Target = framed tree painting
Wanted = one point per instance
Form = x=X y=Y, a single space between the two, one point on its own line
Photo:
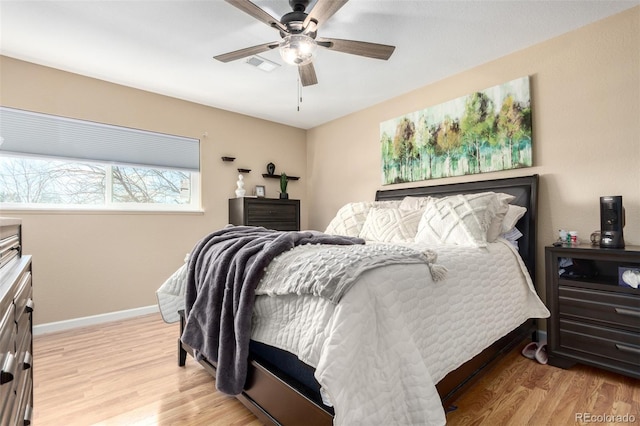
x=486 y=131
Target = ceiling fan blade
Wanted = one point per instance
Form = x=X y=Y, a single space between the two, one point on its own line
x=248 y=51
x=247 y=7
x=361 y=48
x=323 y=10
x=307 y=74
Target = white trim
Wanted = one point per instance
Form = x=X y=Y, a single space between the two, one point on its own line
x=93 y=320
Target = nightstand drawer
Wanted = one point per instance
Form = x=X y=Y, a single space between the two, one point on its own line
x=601 y=344
x=608 y=308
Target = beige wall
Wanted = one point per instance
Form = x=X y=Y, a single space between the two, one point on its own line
x=585 y=95
x=93 y=263
x=585 y=89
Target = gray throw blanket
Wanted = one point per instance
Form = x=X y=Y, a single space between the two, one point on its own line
x=224 y=269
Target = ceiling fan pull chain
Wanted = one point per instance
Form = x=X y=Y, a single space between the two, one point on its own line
x=299 y=94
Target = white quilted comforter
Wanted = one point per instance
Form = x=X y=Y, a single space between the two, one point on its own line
x=379 y=352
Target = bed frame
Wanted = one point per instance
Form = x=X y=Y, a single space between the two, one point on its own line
x=275 y=402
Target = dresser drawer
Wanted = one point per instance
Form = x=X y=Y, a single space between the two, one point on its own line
x=23 y=349
x=8 y=363
x=601 y=344
x=7 y=405
x=22 y=298
x=616 y=309
x=22 y=399
x=269 y=212
x=10 y=231
x=24 y=414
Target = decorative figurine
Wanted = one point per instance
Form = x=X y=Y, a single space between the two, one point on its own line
x=271 y=168
x=240 y=191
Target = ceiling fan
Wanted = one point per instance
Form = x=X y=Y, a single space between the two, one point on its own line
x=298 y=31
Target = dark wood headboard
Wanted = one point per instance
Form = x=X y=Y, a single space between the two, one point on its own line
x=524 y=188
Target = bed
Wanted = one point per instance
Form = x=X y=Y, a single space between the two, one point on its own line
x=362 y=359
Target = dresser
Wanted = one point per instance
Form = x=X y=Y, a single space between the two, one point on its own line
x=16 y=307
x=272 y=213
x=594 y=320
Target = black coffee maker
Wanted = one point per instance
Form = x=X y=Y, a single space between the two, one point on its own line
x=611 y=222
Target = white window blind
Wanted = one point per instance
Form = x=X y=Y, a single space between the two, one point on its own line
x=30 y=133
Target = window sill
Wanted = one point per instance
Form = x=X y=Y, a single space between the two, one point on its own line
x=96 y=210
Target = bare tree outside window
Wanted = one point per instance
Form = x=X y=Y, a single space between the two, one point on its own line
x=143 y=185
x=39 y=181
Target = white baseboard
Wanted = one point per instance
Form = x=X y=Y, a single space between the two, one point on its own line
x=92 y=320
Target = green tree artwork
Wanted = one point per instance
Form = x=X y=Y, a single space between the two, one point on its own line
x=485 y=131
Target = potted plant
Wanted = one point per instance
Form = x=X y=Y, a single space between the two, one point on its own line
x=284 y=180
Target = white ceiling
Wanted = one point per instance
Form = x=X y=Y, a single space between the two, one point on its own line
x=167 y=47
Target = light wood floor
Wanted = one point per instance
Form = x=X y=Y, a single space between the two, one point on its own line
x=126 y=373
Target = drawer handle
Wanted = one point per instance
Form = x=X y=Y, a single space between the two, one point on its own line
x=29 y=306
x=628 y=312
x=28 y=414
x=8 y=368
x=26 y=362
x=625 y=348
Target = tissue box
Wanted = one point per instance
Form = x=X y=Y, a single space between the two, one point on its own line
x=629 y=276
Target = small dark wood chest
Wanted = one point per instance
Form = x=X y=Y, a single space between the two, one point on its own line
x=271 y=213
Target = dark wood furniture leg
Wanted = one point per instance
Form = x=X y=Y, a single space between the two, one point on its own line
x=182 y=353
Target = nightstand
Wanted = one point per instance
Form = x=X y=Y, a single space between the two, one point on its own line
x=272 y=213
x=594 y=320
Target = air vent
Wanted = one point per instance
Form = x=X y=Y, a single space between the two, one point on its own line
x=262 y=63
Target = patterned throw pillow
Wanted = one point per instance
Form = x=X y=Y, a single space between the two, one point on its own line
x=458 y=219
x=350 y=218
x=391 y=225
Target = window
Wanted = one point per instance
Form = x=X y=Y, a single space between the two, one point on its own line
x=54 y=162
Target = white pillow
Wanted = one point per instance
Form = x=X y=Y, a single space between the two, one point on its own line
x=500 y=207
x=513 y=236
x=391 y=225
x=514 y=213
x=458 y=219
x=414 y=203
x=350 y=218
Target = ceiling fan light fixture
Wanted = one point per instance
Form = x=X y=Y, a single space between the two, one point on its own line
x=297 y=49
